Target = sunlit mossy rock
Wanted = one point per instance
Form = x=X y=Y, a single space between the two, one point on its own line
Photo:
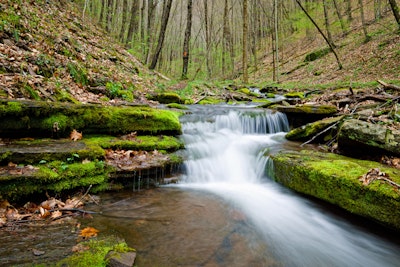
x=302 y=114
x=56 y=119
x=326 y=110
x=166 y=98
x=335 y=179
x=310 y=130
x=366 y=137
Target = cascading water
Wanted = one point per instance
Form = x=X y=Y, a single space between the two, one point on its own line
x=225 y=156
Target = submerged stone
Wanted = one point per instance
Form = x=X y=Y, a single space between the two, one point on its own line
x=336 y=179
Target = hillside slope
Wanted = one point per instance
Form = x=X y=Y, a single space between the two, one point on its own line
x=49 y=52
x=363 y=62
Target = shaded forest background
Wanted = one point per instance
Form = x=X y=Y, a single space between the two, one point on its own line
x=278 y=42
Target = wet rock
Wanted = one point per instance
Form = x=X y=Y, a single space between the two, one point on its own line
x=120 y=259
x=364 y=137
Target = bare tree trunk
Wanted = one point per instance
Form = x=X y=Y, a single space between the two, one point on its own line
x=245 y=36
x=348 y=11
x=395 y=9
x=109 y=15
x=340 y=16
x=275 y=44
x=207 y=37
x=186 y=42
x=103 y=8
x=161 y=37
x=327 y=23
x=364 y=24
x=133 y=25
x=377 y=9
x=323 y=35
x=124 y=20
x=151 y=7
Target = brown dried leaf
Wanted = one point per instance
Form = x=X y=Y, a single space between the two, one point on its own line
x=88 y=232
x=75 y=135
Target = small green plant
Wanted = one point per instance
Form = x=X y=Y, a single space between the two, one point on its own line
x=78 y=73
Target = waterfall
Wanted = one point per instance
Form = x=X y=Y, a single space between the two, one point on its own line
x=225 y=155
x=229 y=149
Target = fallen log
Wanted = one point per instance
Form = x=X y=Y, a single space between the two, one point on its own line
x=389 y=86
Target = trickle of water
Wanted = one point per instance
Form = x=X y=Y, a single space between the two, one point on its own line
x=225 y=155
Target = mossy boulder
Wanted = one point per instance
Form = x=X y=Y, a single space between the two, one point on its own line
x=166 y=98
x=299 y=115
x=335 y=179
x=48 y=119
x=365 y=137
x=310 y=130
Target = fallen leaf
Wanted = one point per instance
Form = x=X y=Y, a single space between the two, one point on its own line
x=88 y=232
x=79 y=248
x=56 y=214
x=75 y=135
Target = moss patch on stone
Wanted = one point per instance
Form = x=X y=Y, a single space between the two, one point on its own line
x=146 y=143
x=96 y=254
x=39 y=118
x=311 y=129
x=335 y=179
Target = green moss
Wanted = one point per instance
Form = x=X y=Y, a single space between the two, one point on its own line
x=335 y=179
x=41 y=117
x=294 y=95
x=146 y=143
x=317 y=54
x=311 y=129
x=10 y=108
x=176 y=106
x=210 y=101
x=95 y=256
x=166 y=98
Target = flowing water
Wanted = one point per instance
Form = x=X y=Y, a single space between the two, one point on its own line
x=226 y=212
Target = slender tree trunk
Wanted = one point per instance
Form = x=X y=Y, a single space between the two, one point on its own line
x=395 y=9
x=186 y=42
x=348 y=11
x=340 y=16
x=364 y=24
x=377 y=9
x=275 y=44
x=133 y=24
x=225 y=30
x=102 y=10
x=124 y=20
x=151 y=7
x=142 y=23
x=109 y=15
x=323 y=35
x=327 y=23
x=161 y=37
x=245 y=36
x=207 y=37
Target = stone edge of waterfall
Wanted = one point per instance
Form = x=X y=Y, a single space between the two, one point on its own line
x=336 y=179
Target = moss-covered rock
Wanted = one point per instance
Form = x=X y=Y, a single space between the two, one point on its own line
x=364 y=136
x=326 y=110
x=37 y=118
x=335 y=179
x=310 y=130
x=166 y=98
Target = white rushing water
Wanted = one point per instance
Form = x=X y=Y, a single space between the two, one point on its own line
x=226 y=156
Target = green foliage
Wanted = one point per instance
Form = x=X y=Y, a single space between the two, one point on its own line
x=46 y=65
x=95 y=256
x=78 y=73
x=117 y=90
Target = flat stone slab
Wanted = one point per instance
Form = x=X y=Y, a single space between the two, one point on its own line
x=338 y=180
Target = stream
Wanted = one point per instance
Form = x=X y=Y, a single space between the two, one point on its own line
x=226 y=212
